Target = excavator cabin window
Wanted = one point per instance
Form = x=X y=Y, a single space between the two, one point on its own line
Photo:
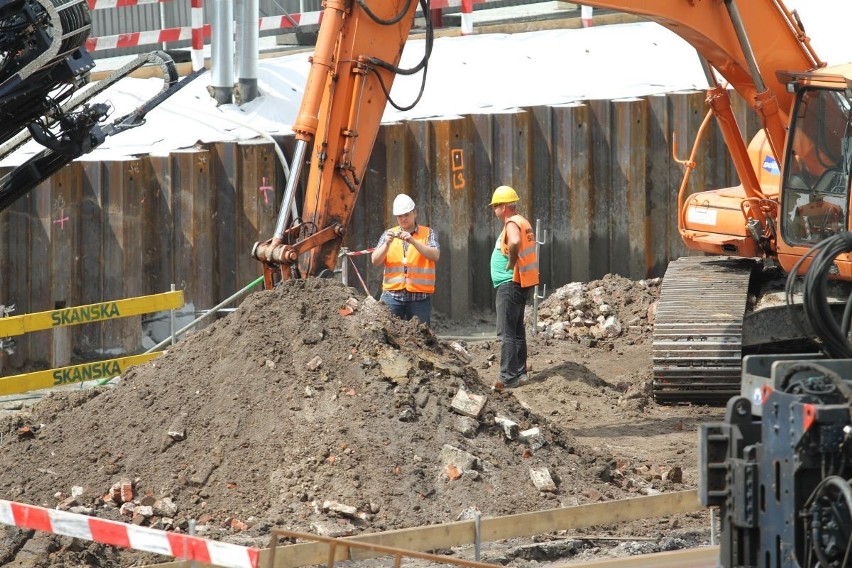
x=819 y=156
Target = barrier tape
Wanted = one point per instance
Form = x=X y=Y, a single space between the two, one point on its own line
x=360 y=252
x=197 y=31
x=114 y=533
x=103 y=4
x=134 y=39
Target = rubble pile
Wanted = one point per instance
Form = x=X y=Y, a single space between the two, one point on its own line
x=600 y=311
x=304 y=409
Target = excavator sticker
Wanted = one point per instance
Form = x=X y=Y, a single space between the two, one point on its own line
x=701 y=216
x=770 y=164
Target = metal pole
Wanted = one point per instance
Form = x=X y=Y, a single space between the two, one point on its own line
x=248 y=15
x=212 y=311
x=173 y=322
x=344 y=268
x=477 y=525
x=712 y=526
x=293 y=179
x=539 y=240
x=222 y=51
x=163 y=23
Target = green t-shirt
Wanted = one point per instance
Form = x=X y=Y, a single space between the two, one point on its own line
x=499 y=274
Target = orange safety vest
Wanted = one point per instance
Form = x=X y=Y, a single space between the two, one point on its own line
x=526 y=268
x=409 y=271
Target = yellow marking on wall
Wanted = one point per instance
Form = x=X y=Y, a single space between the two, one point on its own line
x=70 y=375
x=18 y=325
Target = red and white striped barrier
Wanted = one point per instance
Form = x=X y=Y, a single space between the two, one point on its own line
x=197 y=21
x=180 y=34
x=586 y=16
x=467 y=17
x=103 y=4
x=180 y=546
x=198 y=31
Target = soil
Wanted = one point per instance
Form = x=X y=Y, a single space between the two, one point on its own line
x=310 y=408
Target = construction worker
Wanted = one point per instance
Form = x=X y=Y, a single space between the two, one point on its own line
x=409 y=252
x=514 y=273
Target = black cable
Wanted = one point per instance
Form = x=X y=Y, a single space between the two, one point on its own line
x=815 y=296
x=423 y=64
x=393 y=20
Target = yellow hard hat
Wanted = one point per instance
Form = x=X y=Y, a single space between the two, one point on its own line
x=504 y=194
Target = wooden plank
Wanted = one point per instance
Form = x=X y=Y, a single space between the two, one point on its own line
x=462 y=533
x=259 y=199
x=223 y=182
x=194 y=258
x=662 y=187
x=66 y=189
x=71 y=374
x=449 y=216
x=542 y=182
x=90 y=339
x=39 y=272
x=122 y=250
x=572 y=228
x=159 y=215
x=629 y=241
x=485 y=226
x=460 y=202
x=600 y=193
x=102 y=311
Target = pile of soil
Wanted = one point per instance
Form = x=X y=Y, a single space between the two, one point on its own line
x=305 y=409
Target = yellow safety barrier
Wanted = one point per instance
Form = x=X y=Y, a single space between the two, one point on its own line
x=74 y=374
x=19 y=325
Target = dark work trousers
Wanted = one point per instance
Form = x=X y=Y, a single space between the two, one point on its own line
x=511 y=300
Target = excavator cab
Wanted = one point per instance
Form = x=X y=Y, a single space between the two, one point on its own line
x=815 y=196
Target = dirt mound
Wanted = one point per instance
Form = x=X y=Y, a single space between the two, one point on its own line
x=303 y=409
x=601 y=312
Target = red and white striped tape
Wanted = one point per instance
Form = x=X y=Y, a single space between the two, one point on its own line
x=103 y=4
x=198 y=31
x=180 y=546
x=360 y=252
x=185 y=33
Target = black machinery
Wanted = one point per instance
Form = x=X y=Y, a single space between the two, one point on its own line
x=780 y=465
x=44 y=66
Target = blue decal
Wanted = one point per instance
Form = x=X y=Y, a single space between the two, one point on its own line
x=771 y=166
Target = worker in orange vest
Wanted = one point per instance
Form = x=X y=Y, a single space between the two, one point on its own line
x=409 y=252
x=514 y=273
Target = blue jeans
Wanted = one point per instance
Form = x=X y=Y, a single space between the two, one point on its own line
x=511 y=301
x=422 y=309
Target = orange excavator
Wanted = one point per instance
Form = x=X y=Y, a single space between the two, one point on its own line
x=794 y=190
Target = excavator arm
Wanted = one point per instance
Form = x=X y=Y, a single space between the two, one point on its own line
x=360 y=43
x=358 y=49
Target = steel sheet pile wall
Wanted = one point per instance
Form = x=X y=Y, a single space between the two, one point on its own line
x=599 y=175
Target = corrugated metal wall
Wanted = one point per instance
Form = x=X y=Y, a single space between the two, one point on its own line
x=599 y=175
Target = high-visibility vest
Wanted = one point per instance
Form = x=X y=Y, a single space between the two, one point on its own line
x=411 y=270
x=526 y=268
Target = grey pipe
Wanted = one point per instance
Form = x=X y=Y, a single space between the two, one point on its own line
x=248 y=30
x=295 y=171
x=222 y=51
x=737 y=21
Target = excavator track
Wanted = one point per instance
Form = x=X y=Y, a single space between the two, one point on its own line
x=698 y=329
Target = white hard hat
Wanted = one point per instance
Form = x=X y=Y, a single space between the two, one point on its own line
x=402 y=204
